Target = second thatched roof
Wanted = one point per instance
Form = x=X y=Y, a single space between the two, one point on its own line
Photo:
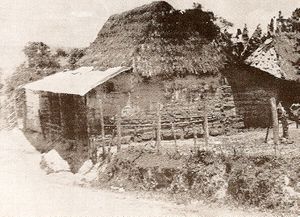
x=139 y=38
x=279 y=56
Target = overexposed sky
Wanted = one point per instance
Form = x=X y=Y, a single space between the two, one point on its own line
x=75 y=23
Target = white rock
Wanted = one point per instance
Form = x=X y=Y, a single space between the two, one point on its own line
x=92 y=175
x=86 y=167
x=52 y=162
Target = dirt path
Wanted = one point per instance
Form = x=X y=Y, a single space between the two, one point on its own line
x=26 y=191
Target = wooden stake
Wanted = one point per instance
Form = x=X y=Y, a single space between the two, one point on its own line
x=174 y=136
x=88 y=129
x=119 y=134
x=267 y=134
x=158 y=128
x=268 y=129
x=275 y=122
x=135 y=134
x=195 y=138
x=205 y=125
x=102 y=128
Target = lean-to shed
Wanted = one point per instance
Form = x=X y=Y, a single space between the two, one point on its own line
x=64 y=105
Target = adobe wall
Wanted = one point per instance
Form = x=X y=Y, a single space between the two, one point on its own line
x=63 y=116
x=181 y=100
x=252 y=90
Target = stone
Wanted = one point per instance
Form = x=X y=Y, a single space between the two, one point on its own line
x=52 y=162
x=92 y=175
x=86 y=167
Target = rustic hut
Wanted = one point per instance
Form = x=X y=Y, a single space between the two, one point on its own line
x=63 y=106
x=272 y=70
x=175 y=59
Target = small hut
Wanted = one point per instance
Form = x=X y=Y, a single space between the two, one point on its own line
x=272 y=70
x=175 y=58
x=64 y=106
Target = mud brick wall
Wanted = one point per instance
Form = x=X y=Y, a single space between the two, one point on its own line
x=251 y=91
x=253 y=104
x=181 y=101
x=63 y=116
x=186 y=116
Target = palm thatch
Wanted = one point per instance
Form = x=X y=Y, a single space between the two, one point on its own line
x=279 y=56
x=156 y=39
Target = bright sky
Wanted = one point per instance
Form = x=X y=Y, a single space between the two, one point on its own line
x=75 y=23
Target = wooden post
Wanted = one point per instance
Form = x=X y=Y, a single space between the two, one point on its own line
x=275 y=121
x=267 y=134
x=158 y=128
x=268 y=129
x=88 y=129
x=135 y=134
x=118 y=129
x=174 y=136
x=109 y=150
x=205 y=124
x=61 y=116
x=102 y=128
x=195 y=138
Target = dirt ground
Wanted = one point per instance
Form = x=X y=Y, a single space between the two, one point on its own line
x=27 y=191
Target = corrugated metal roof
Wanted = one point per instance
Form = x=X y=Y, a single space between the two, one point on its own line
x=77 y=82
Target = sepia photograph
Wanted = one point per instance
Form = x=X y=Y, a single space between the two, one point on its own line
x=142 y=108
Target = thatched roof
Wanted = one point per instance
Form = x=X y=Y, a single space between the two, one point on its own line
x=153 y=40
x=279 y=56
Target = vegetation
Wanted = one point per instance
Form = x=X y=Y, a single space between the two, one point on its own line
x=39 y=56
x=75 y=55
x=263 y=181
x=295 y=19
x=158 y=40
x=181 y=25
x=40 y=62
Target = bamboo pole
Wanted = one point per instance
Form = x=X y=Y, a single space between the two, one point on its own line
x=195 y=138
x=158 y=128
x=205 y=125
x=88 y=129
x=174 y=136
x=119 y=134
x=135 y=134
x=275 y=122
x=102 y=128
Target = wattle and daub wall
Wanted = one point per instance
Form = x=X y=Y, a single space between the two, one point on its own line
x=236 y=99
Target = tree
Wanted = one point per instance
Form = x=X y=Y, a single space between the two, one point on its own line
x=245 y=33
x=75 y=55
x=254 y=42
x=197 y=5
x=271 y=27
x=61 y=53
x=39 y=56
x=224 y=24
x=39 y=63
x=296 y=20
x=180 y=25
